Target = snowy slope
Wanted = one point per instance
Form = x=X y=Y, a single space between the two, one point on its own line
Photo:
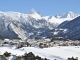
x=59 y=53
x=59 y=18
x=23 y=17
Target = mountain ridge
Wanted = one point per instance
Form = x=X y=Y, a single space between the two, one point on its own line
x=27 y=25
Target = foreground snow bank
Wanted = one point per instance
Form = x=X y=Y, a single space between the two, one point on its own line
x=59 y=53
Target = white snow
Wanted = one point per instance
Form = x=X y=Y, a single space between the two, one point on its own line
x=59 y=18
x=7 y=40
x=13 y=51
x=58 y=52
x=34 y=14
x=55 y=33
x=65 y=30
x=23 y=17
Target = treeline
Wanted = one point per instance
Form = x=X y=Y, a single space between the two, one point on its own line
x=2 y=37
x=73 y=58
x=31 y=56
x=26 y=56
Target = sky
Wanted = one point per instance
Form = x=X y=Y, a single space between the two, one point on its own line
x=44 y=7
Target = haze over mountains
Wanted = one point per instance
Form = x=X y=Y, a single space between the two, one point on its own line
x=33 y=24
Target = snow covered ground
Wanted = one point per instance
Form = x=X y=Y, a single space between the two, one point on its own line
x=59 y=52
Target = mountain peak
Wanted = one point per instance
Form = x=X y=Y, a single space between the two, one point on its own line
x=69 y=14
x=34 y=14
x=32 y=11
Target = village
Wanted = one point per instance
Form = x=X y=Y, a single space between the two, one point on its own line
x=40 y=43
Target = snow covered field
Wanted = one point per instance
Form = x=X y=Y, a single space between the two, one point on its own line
x=59 y=52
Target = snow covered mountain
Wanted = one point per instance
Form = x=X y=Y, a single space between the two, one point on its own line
x=15 y=24
x=30 y=24
x=34 y=14
x=56 y=20
x=68 y=15
x=59 y=18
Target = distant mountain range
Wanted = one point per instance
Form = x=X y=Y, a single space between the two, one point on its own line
x=33 y=24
